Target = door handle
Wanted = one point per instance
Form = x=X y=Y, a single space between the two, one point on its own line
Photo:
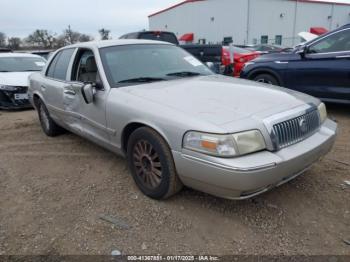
x=69 y=92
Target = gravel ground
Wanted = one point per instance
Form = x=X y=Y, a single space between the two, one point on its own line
x=53 y=192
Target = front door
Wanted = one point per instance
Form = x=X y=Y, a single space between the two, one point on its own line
x=93 y=115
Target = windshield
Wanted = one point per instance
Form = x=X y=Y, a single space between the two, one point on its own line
x=146 y=63
x=21 y=64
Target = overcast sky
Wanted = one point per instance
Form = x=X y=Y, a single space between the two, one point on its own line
x=21 y=17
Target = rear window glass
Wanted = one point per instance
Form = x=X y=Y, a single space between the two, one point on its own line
x=166 y=37
x=241 y=50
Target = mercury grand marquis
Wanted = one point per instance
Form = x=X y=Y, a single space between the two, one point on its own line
x=177 y=122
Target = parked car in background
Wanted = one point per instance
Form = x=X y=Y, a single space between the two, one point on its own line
x=14 y=71
x=177 y=122
x=212 y=54
x=5 y=50
x=169 y=37
x=266 y=49
x=43 y=53
x=320 y=68
x=241 y=56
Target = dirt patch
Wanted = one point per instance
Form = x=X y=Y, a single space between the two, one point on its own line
x=53 y=192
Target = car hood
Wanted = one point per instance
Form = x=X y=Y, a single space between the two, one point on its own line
x=288 y=56
x=15 y=78
x=220 y=100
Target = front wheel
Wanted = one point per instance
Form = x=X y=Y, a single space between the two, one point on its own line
x=152 y=165
x=49 y=126
x=267 y=79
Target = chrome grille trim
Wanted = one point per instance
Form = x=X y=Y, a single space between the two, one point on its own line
x=292 y=131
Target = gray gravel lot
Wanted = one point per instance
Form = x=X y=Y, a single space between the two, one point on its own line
x=53 y=192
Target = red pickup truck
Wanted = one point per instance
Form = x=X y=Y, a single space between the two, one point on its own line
x=240 y=55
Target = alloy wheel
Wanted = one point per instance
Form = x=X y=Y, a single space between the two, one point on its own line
x=263 y=80
x=147 y=164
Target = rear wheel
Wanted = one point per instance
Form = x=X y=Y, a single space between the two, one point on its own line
x=49 y=126
x=267 y=79
x=152 y=165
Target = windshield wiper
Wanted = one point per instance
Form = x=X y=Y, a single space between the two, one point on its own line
x=142 y=80
x=184 y=74
x=31 y=70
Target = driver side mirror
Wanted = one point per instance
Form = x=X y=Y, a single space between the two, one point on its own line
x=302 y=51
x=88 y=91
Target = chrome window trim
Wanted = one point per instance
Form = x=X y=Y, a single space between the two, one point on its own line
x=326 y=36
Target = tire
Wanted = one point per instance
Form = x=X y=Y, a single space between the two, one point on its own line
x=49 y=126
x=152 y=165
x=267 y=79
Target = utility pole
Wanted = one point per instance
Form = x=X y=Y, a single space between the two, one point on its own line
x=295 y=21
x=248 y=21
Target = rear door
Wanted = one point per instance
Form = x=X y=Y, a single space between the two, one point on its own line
x=324 y=71
x=55 y=83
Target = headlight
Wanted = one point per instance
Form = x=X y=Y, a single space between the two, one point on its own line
x=323 y=112
x=8 y=88
x=224 y=145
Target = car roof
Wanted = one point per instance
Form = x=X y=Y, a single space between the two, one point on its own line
x=108 y=43
x=18 y=55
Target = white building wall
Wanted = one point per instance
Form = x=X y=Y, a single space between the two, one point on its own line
x=341 y=15
x=197 y=17
x=271 y=18
x=247 y=20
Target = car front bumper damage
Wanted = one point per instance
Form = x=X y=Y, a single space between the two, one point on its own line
x=14 y=99
x=248 y=176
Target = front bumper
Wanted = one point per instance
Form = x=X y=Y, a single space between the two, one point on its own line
x=250 y=175
x=8 y=99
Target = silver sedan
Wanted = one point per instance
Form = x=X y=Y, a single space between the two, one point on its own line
x=176 y=122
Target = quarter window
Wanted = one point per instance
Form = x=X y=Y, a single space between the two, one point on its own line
x=337 y=42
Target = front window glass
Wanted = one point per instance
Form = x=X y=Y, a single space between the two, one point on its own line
x=149 y=62
x=337 y=42
x=21 y=64
x=86 y=68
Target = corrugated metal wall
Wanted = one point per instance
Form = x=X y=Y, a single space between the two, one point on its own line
x=246 y=21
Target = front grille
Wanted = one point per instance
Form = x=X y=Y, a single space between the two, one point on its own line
x=297 y=129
